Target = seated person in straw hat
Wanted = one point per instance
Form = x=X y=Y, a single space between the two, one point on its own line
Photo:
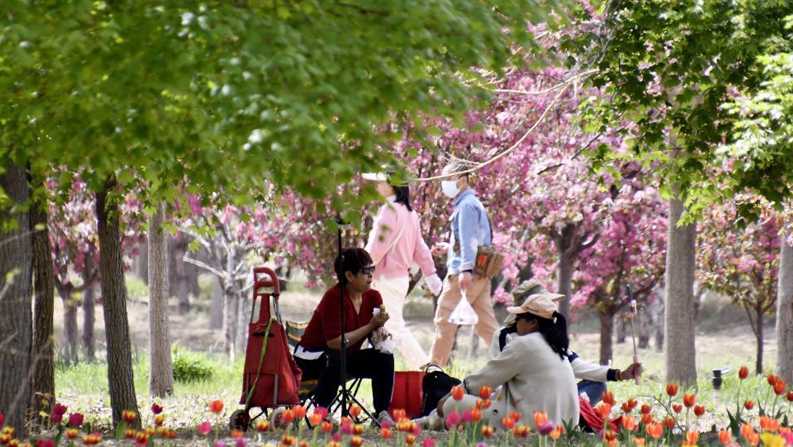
x=593 y=377
x=532 y=373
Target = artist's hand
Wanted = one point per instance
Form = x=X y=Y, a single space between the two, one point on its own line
x=631 y=372
x=466 y=278
x=440 y=248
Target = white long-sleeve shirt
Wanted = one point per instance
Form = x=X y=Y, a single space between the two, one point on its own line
x=582 y=370
x=529 y=376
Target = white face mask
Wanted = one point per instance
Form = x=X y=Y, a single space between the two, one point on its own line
x=449 y=188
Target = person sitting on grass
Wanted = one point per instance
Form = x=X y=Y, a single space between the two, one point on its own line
x=532 y=373
x=593 y=377
x=318 y=353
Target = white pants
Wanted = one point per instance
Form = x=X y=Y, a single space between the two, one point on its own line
x=394 y=291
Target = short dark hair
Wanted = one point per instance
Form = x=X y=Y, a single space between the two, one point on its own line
x=351 y=260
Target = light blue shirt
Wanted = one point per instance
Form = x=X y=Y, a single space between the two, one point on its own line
x=470 y=228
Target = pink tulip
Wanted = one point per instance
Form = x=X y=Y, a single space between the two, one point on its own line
x=204 y=428
x=452 y=419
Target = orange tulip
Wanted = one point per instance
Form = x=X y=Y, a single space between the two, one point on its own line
x=655 y=430
x=689 y=400
x=629 y=405
x=507 y=422
x=326 y=427
x=603 y=410
x=483 y=403
x=771 y=379
x=385 y=432
x=300 y=411
x=725 y=437
x=628 y=423
x=647 y=418
x=515 y=415
x=639 y=442
x=769 y=424
x=692 y=437
x=356 y=441
x=521 y=431
x=458 y=392
x=92 y=439
x=608 y=397
x=72 y=433
x=779 y=387
x=357 y=429
x=669 y=422
x=487 y=431
x=262 y=426
x=129 y=416
x=355 y=411
x=410 y=439
x=540 y=418
x=743 y=372
x=485 y=392
x=315 y=419
x=476 y=415
x=671 y=390
x=159 y=420
x=556 y=433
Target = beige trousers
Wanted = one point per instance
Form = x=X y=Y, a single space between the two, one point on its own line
x=478 y=294
x=394 y=291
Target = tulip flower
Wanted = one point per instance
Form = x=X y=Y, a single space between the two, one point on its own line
x=485 y=392
x=655 y=430
x=608 y=397
x=452 y=419
x=385 y=433
x=689 y=400
x=428 y=442
x=410 y=439
x=743 y=372
x=458 y=392
x=204 y=428
x=507 y=422
x=699 y=410
x=72 y=433
x=725 y=437
x=748 y=404
x=262 y=426
x=216 y=406
x=75 y=420
x=677 y=408
x=671 y=390
x=156 y=409
x=487 y=431
x=129 y=416
x=92 y=439
x=355 y=411
x=779 y=387
x=356 y=441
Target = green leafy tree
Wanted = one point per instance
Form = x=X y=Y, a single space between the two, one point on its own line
x=212 y=98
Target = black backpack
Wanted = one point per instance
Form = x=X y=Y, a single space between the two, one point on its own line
x=435 y=385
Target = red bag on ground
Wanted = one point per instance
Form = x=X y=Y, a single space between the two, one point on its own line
x=407 y=394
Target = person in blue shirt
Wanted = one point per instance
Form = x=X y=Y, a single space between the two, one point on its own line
x=469 y=229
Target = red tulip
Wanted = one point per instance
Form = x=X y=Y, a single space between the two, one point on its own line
x=507 y=422
x=458 y=392
x=216 y=406
x=677 y=408
x=75 y=420
x=671 y=390
x=156 y=409
x=485 y=392
x=699 y=410
x=608 y=397
x=748 y=404
x=355 y=411
x=779 y=387
x=689 y=400
x=743 y=372
x=300 y=412
x=789 y=398
x=646 y=409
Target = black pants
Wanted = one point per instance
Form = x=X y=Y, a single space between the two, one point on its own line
x=365 y=363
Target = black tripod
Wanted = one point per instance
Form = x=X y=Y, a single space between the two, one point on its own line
x=346 y=396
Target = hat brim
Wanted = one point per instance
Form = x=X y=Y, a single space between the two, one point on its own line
x=374 y=176
x=521 y=310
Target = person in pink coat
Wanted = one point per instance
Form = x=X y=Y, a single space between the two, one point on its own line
x=395 y=243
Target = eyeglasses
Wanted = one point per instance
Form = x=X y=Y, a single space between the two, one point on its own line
x=369 y=270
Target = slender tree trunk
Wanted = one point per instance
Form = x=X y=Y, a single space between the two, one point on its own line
x=243 y=317
x=784 y=314
x=70 y=325
x=606 y=336
x=566 y=267
x=619 y=326
x=142 y=263
x=16 y=318
x=645 y=326
x=114 y=298
x=758 y=367
x=161 y=369
x=178 y=278
x=230 y=323
x=680 y=354
x=89 y=318
x=44 y=303
x=216 y=306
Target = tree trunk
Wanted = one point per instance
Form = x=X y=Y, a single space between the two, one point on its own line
x=114 y=298
x=142 y=261
x=161 y=369
x=619 y=326
x=243 y=318
x=43 y=386
x=680 y=354
x=216 y=306
x=645 y=323
x=606 y=334
x=178 y=278
x=784 y=314
x=16 y=318
x=230 y=324
x=71 y=345
x=758 y=366
x=566 y=268
x=89 y=318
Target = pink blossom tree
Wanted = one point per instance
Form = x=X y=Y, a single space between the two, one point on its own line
x=75 y=252
x=741 y=260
